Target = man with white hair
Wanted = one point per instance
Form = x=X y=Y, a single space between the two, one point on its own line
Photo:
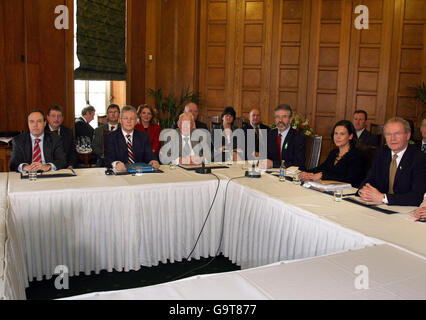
x=398 y=173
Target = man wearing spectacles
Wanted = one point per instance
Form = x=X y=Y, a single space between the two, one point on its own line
x=128 y=146
x=398 y=173
x=113 y=114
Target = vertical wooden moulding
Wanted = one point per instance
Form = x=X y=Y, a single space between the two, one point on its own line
x=69 y=68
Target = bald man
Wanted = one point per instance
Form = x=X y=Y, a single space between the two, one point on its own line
x=256 y=125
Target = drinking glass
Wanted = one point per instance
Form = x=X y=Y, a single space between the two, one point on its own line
x=338 y=195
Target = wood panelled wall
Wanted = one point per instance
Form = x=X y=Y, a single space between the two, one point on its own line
x=244 y=53
x=308 y=54
x=33 y=61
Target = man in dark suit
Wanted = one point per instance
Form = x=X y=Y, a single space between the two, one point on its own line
x=82 y=124
x=421 y=145
x=364 y=136
x=37 y=150
x=284 y=142
x=55 y=118
x=260 y=137
x=193 y=109
x=113 y=114
x=398 y=173
x=128 y=146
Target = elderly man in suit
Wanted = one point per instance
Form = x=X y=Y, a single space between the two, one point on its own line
x=82 y=124
x=398 y=173
x=127 y=145
x=256 y=126
x=37 y=150
x=364 y=136
x=284 y=142
x=113 y=114
x=422 y=143
x=55 y=118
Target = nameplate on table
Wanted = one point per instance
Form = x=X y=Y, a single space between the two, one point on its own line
x=63 y=173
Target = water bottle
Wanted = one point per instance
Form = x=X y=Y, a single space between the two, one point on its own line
x=282 y=171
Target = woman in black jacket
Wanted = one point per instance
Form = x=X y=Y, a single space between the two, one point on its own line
x=346 y=163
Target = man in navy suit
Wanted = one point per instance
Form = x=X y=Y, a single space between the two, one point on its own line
x=37 y=150
x=398 y=173
x=364 y=136
x=126 y=145
x=285 y=143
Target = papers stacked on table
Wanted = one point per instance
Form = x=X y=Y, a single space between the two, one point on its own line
x=327 y=185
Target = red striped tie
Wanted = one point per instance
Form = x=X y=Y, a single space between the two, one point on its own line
x=37 y=151
x=130 y=150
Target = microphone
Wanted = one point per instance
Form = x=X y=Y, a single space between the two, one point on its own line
x=253 y=173
x=203 y=169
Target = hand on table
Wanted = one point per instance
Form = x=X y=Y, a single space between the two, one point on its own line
x=308 y=176
x=155 y=164
x=370 y=194
x=420 y=213
x=36 y=166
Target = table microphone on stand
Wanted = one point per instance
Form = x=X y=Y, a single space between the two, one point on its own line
x=203 y=169
x=253 y=173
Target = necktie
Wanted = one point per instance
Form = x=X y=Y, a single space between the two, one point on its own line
x=130 y=150
x=186 y=148
x=112 y=128
x=392 y=172
x=37 y=151
x=257 y=131
x=279 y=146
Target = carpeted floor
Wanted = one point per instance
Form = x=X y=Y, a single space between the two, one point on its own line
x=146 y=276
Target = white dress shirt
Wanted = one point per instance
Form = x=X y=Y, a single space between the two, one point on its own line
x=43 y=161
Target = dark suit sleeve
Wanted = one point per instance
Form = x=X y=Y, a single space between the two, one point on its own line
x=18 y=154
x=110 y=155
x=373 y=172
x=300 y=152
x=59 y=158
x=148 y=154
x=97 y=144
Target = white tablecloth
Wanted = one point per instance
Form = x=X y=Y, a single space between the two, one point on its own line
x=95 y=222
x=392 y=274
x=120 y=226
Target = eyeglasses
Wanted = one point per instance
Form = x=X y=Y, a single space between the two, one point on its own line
x=126 y=118
x=112 y=112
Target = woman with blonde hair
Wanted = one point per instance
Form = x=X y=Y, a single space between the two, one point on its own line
x=148 y=123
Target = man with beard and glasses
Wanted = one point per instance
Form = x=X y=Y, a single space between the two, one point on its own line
x=284 y=142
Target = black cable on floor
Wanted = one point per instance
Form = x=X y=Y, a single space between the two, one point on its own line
x=221 y=236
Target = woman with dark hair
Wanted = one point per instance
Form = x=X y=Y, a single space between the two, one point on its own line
x=148 y=124
x=346 y=163
x=229 y=141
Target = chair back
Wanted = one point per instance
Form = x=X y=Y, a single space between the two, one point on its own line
x=208 y=120
x=239 y=122
x=377 y=130
x=313 y=151
x=369 y=153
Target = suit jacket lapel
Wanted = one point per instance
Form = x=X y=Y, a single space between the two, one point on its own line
x=28 y=149
x=123 y=146
x=403 y=164
x=47 y=148
x=286 y=142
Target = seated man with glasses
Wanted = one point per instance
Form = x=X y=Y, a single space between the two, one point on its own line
x=284 y=142
x=398 y=173
x=127 y=145
x=113 y=114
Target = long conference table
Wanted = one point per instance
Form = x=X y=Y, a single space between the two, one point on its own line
x=95 y=222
